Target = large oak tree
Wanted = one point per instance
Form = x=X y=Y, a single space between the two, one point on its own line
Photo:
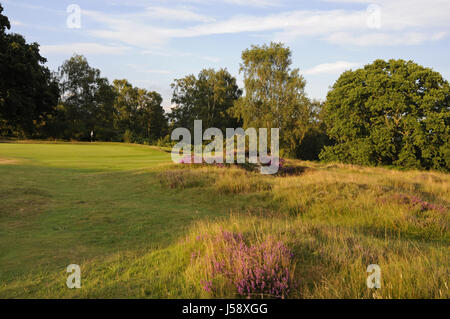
x=390 y=112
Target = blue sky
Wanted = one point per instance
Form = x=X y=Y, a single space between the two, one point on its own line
x=152 y=42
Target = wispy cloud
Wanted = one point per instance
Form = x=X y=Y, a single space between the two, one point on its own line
x=175 y=54
x=254 y=3
x=83 y=48
x=17 y=23
x=384 y=39
x=178 y=14
x=244 y=3
x=408 y=22
x=331 y=68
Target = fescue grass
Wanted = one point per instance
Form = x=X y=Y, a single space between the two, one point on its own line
x=140 y=226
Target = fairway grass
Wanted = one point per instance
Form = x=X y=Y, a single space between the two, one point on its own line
x=136 y=224
x=85 y=156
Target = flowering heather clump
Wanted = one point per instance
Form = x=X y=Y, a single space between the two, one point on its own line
x=283 y=170
x=207 y=286
x=269 y=160
x=423 y=205
x=414 y=202
x=263 y=269
x=191 y=159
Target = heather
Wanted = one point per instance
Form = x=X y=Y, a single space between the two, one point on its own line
x=262 y=269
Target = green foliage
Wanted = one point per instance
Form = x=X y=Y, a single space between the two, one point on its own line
x=152 y=122
x=128 y=136
x=312 y=144
x=126 y=105
x=86 y=101
x=139 y=116
x=207 y=97
x=390 y=113
x=316 y=137
x=28 y=92
x=4 y=22
x=274 y=94
x=165 y=141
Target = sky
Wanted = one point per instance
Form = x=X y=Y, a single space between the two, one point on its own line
x=152 y=42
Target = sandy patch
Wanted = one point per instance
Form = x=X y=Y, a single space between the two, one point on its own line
x=5 y=161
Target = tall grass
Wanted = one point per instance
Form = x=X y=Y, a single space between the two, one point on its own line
x=327 y=261
x=337 y=220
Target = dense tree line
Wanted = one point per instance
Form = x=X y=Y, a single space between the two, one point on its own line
x=208 y=96
x=72 y=102
x=388 y=113
x=114 y=112
x=28 y=92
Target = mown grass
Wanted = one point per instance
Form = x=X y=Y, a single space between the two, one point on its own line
x=136 y=224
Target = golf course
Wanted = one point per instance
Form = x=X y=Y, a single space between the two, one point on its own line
x=140 y=226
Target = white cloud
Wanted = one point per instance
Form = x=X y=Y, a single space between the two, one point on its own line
x=246 y=3
x=253 y=3
x=402 y=23
x=175 y=54
x=83 y=48
x=331 y=68
x=16 y=23
x=178 y=14
x=383 y=39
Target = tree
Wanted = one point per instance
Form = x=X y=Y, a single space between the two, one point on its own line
x=393 y=112
x=151 y=118
x=139 y=112
x=315 y=137
x=207 y=97
x=126 y=105
x=87 y=100
x=28 y=92
x=274 y=94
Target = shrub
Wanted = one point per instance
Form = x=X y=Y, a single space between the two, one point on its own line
x=263 y=269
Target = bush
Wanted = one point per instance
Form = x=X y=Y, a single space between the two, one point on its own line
x=263 y=269
x=165 y=141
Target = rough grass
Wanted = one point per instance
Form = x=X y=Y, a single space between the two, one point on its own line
x=140 y=228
